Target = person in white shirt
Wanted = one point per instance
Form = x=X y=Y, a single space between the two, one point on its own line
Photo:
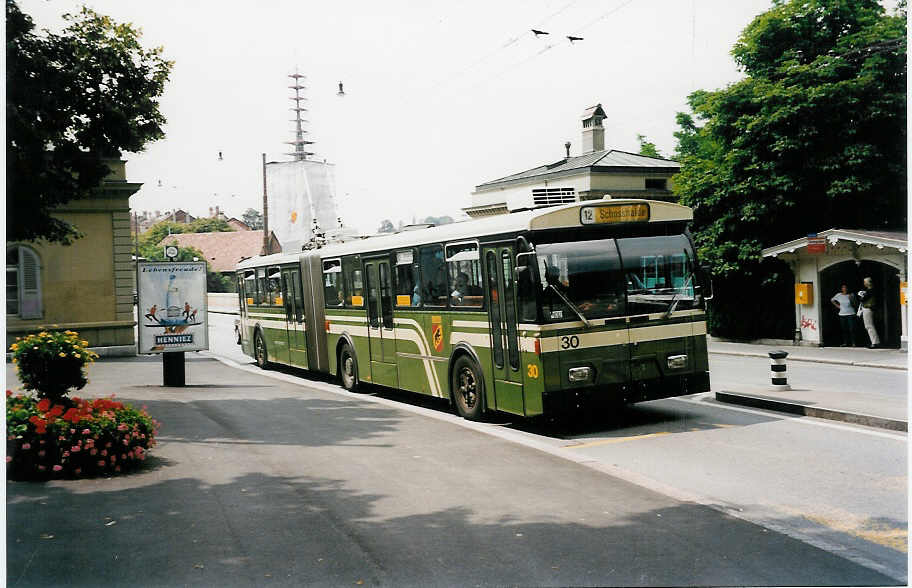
x=844 y=301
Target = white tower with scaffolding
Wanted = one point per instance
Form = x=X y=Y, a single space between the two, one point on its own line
x=301 y=192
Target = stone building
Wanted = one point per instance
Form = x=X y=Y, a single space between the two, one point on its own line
x=85 y=287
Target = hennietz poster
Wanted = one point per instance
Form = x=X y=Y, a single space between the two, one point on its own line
x=171 y=298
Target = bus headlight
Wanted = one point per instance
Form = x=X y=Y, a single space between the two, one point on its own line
x=579 y=374
x=676 y=362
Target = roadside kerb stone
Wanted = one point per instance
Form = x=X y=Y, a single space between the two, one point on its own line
x=887 y=366
x=812 y=411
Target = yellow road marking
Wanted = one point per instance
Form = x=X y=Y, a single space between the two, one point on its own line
x=868 y=529
x=616 y=440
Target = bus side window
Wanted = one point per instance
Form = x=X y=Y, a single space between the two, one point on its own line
x=249 y=287
x=332 y=283
x=261 y=290
x=465 y=275
x=274 y=287
x=357 y=289
x=433 y=276
x=408 y=289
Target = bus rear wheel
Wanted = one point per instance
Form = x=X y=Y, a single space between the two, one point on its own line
x=259 y=350
x=348 y=368
x=468 y=389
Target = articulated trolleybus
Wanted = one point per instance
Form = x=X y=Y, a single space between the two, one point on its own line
x=528 y=313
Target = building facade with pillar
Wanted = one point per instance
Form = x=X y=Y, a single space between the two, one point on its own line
x=821 y=263
x=86 y=286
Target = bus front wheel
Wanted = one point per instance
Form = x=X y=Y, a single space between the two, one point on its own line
x=468 y=389
x=259 y=350
x=348 y=368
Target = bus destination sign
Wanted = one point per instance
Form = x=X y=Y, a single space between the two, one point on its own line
x=614 y=213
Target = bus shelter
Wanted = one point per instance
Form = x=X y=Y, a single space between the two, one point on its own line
x=822 y=262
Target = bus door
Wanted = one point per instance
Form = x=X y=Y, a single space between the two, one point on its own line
x=294 y=316
x=380 y=331
x=505 y=359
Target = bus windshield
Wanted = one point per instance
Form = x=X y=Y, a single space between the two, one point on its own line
x=608 y=278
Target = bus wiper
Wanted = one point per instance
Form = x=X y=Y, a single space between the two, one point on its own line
x=674 y=299
x=572 y=306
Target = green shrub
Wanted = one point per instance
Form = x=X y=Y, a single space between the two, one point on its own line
x=52 y=363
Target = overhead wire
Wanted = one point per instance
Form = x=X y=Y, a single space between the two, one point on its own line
x=505 y=45
x=550 y=46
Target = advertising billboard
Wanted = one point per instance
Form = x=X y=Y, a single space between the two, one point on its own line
x=171 y=303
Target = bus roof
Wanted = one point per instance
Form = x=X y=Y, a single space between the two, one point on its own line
x=566 y=216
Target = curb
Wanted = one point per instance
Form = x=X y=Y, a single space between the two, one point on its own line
x=234 y=312
x=885 y=366
x=820 y=413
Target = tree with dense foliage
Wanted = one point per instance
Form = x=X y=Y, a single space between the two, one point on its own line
x=209 y=225
x=151 y=246
x=253 y=218
x=814 y=137
x=73 y=99
x=386 y=226
x=648 y=148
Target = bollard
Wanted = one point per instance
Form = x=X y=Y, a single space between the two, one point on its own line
x=777 y=370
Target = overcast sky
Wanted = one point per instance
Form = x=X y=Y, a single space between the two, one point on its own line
x=440 y=96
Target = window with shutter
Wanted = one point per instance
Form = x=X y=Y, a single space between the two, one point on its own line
x=23 y=282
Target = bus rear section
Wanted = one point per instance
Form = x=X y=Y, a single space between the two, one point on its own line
x=618 y=318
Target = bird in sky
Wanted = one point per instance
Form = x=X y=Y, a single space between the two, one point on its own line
x=572 y=38
x=537 y=33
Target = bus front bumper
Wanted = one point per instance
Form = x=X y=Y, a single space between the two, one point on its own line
x=629 y=393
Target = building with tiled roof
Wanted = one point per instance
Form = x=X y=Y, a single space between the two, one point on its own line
x=597 y=173
x=223 y=250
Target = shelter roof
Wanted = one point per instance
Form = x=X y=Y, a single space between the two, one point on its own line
x=879 y=238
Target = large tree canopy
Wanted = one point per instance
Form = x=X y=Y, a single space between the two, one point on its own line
x=813 y=138
x=73 y=99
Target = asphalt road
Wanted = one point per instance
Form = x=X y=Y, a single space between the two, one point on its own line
x=840 y=487
x=276 y=479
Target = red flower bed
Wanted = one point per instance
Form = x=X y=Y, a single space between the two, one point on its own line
x=74 y=437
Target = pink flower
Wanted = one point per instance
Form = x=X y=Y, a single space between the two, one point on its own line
x=66 y=454
x=104 y=451
x=86 y=432
x=41 y=468
x=26 y=446
x=58 y=467
x=8 y=459
x=75 y=448
x=101 y=463
x=113 y=458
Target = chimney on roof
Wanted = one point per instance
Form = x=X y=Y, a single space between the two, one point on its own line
x=593 y=132
x=567 y=147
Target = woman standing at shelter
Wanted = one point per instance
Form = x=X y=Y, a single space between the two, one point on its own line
x=845 y=301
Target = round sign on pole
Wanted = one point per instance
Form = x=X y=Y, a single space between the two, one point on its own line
x=171 y=251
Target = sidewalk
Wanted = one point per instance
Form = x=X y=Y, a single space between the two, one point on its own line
x=896 y=359
x=864 y=407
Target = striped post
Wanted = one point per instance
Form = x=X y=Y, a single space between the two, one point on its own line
x=777 y=370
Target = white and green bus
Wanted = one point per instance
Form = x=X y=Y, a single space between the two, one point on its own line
x=528 y=313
